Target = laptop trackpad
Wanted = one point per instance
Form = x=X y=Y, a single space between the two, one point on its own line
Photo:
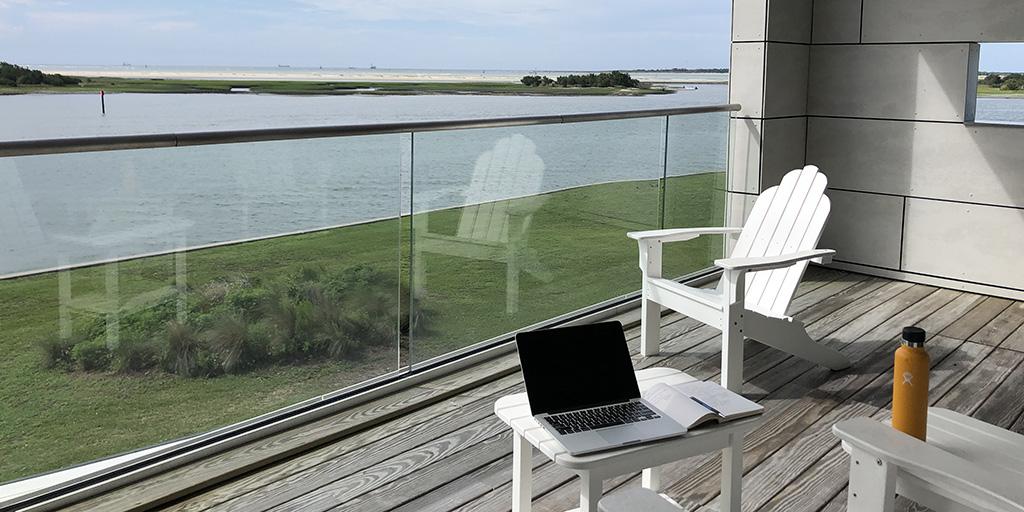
x=621 y=435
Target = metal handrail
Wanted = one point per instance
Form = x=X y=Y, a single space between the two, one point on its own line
x=167 y=140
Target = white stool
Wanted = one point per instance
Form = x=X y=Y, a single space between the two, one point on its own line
x=637 y=498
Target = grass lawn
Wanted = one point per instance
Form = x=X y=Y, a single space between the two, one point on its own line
x=51 y=419
x=988 y=90
x=155 y=85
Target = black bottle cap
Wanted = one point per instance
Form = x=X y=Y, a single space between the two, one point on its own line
x=913 y=336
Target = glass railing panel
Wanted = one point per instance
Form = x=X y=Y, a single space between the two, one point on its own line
x=514 y=226
x=695 y=188
x=118 y=356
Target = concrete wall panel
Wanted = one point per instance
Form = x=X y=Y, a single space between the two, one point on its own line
x=749 y=20
x=746 y=78
x=789 y=20
x=943 y=20
x=744 y=155
x=915 y=82
x=782 y=148
x=785 y=84
x=864 y=228
x=975 y=163
x=963 y=241
x=836 y=21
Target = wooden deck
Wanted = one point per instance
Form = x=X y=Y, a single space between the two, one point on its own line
x=438 y=446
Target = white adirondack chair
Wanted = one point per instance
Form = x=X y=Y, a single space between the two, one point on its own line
x=758 y=280
x=966 y=464
x=495 y=225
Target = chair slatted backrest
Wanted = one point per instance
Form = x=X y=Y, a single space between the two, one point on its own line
x=510 y=169
x=785 y=219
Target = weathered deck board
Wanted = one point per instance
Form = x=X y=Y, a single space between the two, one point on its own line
x=965 y=327
x=437 y=447
x=1000 y=327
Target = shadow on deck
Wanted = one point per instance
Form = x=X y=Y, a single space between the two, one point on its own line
x=438 y=446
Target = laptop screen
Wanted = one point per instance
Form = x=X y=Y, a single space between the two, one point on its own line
x=576 y=367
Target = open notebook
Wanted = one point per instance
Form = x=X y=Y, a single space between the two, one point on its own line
x=697 y=402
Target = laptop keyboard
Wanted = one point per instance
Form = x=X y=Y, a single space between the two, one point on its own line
x=601 y=417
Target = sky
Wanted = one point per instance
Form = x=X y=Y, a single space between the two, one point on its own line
x=429 y=34
x=425 y=34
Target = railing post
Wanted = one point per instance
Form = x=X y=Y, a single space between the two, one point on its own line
x=416 y=272
x=663 y=185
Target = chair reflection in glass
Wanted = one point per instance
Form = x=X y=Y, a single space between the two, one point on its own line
x=495 y=222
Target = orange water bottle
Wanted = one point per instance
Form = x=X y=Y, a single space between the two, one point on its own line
x=910 y=384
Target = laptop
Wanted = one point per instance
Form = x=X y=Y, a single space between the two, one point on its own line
x=582 y=389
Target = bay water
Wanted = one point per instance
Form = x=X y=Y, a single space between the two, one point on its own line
x=76 y=208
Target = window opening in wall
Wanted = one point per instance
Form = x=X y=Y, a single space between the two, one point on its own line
x=1001 y=84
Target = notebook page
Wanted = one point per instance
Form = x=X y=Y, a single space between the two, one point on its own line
x=677 y=406
x=730 y=405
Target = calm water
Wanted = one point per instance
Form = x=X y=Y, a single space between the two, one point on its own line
x=62 y=209
x=1000 y=110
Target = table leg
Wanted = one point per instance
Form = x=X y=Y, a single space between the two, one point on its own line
x=590 y=491
x=651 y=479
x=732 y=474
x=522 y=474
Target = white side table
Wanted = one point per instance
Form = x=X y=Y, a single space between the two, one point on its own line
x=592 y=469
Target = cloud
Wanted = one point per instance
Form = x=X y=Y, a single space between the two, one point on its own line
x=472 y=12
x=120 y=20
x=5 y=4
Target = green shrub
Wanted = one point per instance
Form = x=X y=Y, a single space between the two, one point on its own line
x=183 y=349
x=55 y=353
x=248 y=301
x=1013 y=84
x=370 y=328
x=237 y=324
x=137 y=354
x=149 y=321
x=92 y=356
x=238 y=344
x=293 y=324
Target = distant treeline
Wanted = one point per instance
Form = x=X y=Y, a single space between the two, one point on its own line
x=609 y=79
x=1004 y=81
x=682 y=70
x=13 y=76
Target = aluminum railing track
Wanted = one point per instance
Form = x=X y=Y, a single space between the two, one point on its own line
x=168 y=140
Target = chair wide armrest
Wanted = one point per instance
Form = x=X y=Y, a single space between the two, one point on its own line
x=679 y=234
x=932 y=464
x=772 y=262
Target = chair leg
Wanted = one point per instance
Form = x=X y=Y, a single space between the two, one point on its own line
x=733 y=327
x=872 y=483
x=732 y=357
x=650 y=327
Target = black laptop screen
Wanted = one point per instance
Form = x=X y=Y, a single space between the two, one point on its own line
x=576 y=367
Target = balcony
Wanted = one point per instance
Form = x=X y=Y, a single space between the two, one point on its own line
x=333 y=321
x=437 y=445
